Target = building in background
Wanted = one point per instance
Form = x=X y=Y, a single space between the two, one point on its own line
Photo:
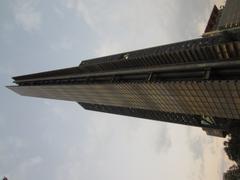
x=225 y=18
x=195 y=82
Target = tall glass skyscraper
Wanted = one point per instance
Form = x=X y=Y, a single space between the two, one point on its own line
x=195 y=82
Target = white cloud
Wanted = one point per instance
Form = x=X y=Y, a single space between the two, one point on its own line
x=116 y=147
x=7 y=70
x=127 y=25
x=26 y=15
x=7 y=27
x=63 y=44
x=2 y=121
x=219 y=2
x=208 y=155
x=32 y=162
x=59 y=12
x=15 y=142
x=201 y=27
x=22 y=170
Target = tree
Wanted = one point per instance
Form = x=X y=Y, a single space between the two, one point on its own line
x=232 y=147
x=233 y=173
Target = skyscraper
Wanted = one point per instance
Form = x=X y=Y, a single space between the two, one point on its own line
x=194 y=82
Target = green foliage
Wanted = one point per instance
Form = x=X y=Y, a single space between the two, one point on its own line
x=233 y=173
x=232 y=149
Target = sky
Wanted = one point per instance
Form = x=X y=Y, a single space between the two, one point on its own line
x=58 y=140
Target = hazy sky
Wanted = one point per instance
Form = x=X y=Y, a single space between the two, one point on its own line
x=57 y=140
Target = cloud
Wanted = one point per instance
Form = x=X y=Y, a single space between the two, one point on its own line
x=219 y=2
x=63 y=44
x=113 y=147
x=128 y=25
x=23 y=170
x=208 y=155
x=7 y=70
x=125 y=25
x=26 y=15
x=30 y=163
x=201 y=26
x=196 y=146
x=59 y=12
x=2 y=121
x=164 y=141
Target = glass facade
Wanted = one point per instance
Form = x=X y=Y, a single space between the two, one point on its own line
x=210 y=98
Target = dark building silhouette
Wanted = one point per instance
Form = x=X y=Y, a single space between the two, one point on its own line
x=224 y=18
x=195 y=82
